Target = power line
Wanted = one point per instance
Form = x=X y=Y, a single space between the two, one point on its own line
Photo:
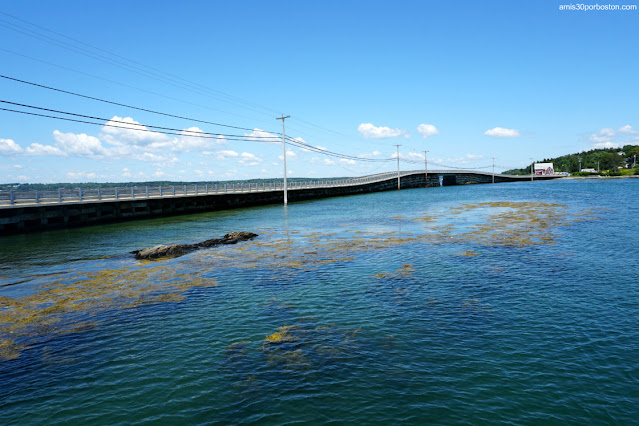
x=143 y=68
x=171 y=131
x=271 y=138
x=309 y=147
x=125 y=127
x=205 y=135
x=133 y=61
x=122 y=104
x=122 y=84
x=102 y=58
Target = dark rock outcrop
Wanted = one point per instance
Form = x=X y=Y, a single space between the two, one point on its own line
x=175 y=250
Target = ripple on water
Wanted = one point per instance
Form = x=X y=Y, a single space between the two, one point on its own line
x=469 y=305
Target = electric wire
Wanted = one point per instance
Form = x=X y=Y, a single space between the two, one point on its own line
x=168 y=131
x=156 y=72
x=273 y=138
x=125 y=105
x=136 y=62
x=125 y=85
x=132 y=61
x=205 y=135
x=113 y=62
x=122 y=127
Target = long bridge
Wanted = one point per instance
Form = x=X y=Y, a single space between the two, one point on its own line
x=30 y=211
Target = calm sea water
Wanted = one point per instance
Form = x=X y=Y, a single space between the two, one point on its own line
x=509 y=303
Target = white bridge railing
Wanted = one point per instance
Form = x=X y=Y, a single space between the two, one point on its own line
x=24 y=198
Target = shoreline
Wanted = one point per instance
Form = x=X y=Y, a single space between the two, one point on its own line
x=602 y=177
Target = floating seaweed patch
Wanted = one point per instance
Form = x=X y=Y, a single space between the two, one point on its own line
x=499 y=223
x=9 y=350
x=61 y=306
x=424 y=218
x=290 y=359
x=237 y=350
x=469 y=253
x=282 y=335
x=383 y=275
x=405 y=270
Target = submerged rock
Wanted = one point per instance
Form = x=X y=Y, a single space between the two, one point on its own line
x=174 y=250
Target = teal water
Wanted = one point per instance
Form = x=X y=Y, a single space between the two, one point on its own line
x=511 y=303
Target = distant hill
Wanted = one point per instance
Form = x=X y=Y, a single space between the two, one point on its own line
x=598 y=159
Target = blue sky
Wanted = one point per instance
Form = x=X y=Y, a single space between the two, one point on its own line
x=465 y=80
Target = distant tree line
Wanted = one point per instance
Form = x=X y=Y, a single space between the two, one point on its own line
x=91 y=185
x=608 y=159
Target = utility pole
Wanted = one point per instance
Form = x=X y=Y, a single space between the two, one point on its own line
x=597 y=165
x=493 y=169
x=398 y=178
x=532 y=169
x=579 y=165
x=426 y=166
x=284 y=150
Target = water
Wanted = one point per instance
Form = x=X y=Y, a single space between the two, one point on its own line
x=509 y=303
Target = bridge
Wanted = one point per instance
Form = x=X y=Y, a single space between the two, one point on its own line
x=30 y=211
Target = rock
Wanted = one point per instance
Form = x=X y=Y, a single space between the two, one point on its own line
x=175 y=250
x=240 y=236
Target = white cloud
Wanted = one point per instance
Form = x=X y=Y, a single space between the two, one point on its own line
x=132 y=132
x=604 y=135
x=189 y=141
x=81 y=175
x=370 y=131
x=289 y=155
x=147 y=156
x=474 y=156
x=603 y=145
x=611 y=138
x=369 y=155
x=325 y=161
x=259 y=135
x=126 y=172
x=225 y=154
x=44 y=150
x=159 y=173
x=9 y=147
x=427 y=130
x=347 y=161
x=249 y=159
x=500 y=132
x=81 y=144
x=461 y=160
x=409 y=155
